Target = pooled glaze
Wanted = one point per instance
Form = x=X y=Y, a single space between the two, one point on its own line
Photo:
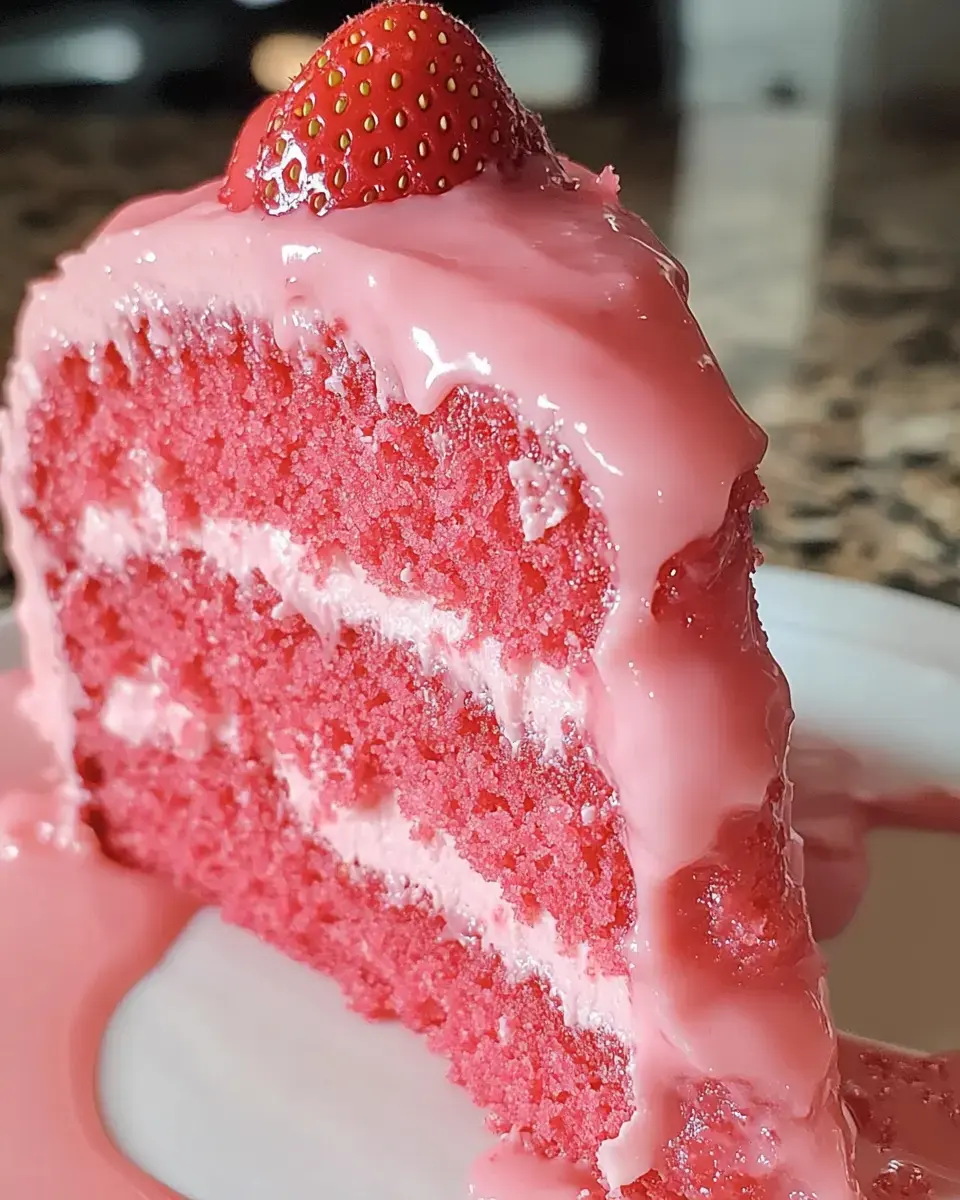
x=508 y=1172
x=81 y=932
x=572 y=306
x=906 y=1107
x=907 y=1110
x=76 y=933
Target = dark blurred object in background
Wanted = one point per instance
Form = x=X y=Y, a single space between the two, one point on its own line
x=196 y=55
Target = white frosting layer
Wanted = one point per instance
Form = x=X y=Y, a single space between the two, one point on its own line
x=530 y=697
x=383 y=841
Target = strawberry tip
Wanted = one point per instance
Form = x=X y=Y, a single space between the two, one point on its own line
x=401 y=100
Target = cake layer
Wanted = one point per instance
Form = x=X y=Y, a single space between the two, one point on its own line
x=380 y=839
x=565 y=1088
x=537 y=702
x=177 y=796
x=191 y=659
x=529 y=698
x=225 y=423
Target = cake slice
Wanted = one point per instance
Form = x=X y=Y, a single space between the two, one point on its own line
x=383 y=533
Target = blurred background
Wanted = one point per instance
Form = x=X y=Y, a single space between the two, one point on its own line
x=801 y=156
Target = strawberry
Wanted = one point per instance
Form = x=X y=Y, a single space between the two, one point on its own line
x=401 y=100
x=237 y=190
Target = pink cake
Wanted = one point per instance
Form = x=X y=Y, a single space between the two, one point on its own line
x=382 y=525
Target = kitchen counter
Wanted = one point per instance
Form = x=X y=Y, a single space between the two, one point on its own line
x=826 y=271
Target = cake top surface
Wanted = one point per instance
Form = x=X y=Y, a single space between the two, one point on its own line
x=398 y=191
x=557 y=296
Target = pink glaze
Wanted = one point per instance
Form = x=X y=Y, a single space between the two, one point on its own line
x=54 y=692
x=572 y=306
x=25 y=762
x=907 y=1112
x=508 y=1172
x=76 y=932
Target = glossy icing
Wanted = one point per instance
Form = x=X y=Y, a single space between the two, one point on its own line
x=54 y=692
x=76 y=932
x=908 y=1148
x=508 y=1172
x=838 y=800
x=906 y=1106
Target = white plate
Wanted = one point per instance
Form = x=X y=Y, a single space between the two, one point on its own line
x=233 y=1074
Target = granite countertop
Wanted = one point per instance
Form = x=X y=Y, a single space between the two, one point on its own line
x=826 y=271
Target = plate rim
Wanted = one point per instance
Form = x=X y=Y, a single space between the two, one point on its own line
x=917 y=627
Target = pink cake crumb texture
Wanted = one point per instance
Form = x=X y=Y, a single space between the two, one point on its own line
x=219 y=826
x=238 y=428
x=565 y=1089
x=383 y=727
x=235 y=428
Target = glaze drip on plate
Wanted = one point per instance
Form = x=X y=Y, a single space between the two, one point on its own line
x=76 y=933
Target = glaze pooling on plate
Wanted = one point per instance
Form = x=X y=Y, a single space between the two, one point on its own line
x=76 y=933
x=509 y=1173
x=838 y=802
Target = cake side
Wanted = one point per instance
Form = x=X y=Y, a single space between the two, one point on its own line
x=128 y=533
x=616 y=574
